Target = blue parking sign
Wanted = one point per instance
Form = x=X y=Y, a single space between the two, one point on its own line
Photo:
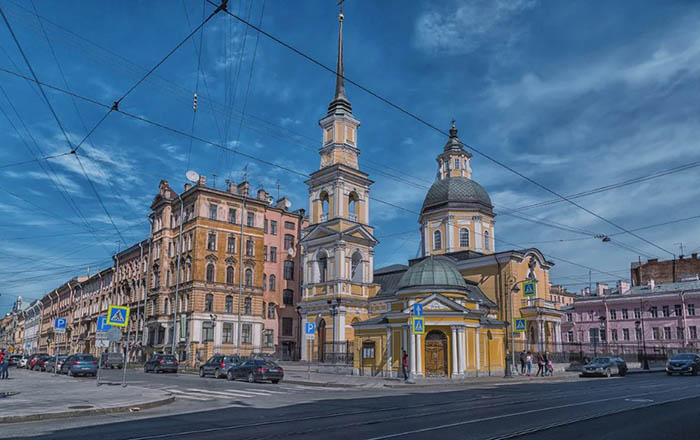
x=310 y=328
x=60 y=323
x=102 y=325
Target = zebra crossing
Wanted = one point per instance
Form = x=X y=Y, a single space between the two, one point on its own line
x=199 y=394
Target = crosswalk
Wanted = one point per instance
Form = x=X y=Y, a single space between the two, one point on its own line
x=199 y=394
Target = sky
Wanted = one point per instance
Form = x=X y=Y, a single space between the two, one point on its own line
x=573 y=95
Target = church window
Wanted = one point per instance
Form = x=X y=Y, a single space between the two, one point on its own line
x=487 y=240
x=210 y=272
x=464 y=165
x=456 y=163
x=248 y=277
x=356 y=268
x=437 y=240
x=323 y=268
x=323 y=197
x=464 y=237
x=328 y=135
x=353 y=198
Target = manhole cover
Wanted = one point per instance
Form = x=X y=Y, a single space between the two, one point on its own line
x=7 y=394
x=80 y=407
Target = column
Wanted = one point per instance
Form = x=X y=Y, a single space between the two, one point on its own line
x=412 y=354
x=558 y=333
x=455 y=353
x=388 y=352
x=404 y=340
x=448 y=234
x=540 y=335
x=341 y=326
x=426 y=239
x=478 y=239
x=461 y=332
x=478 y=352
x=419 y=355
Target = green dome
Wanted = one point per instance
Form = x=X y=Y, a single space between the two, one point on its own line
x=457 y=193
x=433 y=272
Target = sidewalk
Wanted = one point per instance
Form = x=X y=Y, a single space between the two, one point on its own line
x=31 y=395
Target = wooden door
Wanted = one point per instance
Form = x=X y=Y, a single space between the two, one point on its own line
x=436 y=354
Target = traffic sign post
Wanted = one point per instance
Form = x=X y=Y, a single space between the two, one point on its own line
x=59 y=325
x=118 y=315
x=520 y=325
x=418 y=326
x=102 y=325
x=530 y=288
x=418 y=309
x=310 y=331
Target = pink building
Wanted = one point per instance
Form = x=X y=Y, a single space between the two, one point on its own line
x=660 y=317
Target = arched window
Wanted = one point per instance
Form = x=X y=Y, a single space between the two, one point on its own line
x=323 y=197
x=273 y=281
x=229 y=274
x=264 y=281
x=271 y=311
x=288 y=270
x=209 y=303
x=353 y=200
x=464 y=237
x=249 y=247
x=487 y=240
x=248 y=277
x=167 y=306
x=437 y=240
x=248 y=306
x=210 y=272
x=288 y=241
x=229 y=304
x=356 y=267
x=323 y=267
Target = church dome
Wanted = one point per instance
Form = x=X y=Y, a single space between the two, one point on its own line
x=433 y=272
x=459 y=193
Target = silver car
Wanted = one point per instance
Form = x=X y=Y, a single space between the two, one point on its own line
x=605 y=366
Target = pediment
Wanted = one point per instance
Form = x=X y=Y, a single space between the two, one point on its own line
x=319 y=231
x=439 y=303
x=360 y=232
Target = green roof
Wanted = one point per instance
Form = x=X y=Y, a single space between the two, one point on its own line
x=433 y=272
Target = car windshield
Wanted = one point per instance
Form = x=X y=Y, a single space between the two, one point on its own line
x=683 y=357
x=600 y=361
x=168 y=358
x=83 y=358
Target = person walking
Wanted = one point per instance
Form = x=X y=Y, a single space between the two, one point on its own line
x=528 y=362
x=540 y=365
x=545 y=363
x=523 y=361
x=404 y=365
x=3 y=366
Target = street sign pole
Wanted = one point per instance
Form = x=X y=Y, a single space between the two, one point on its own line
x=126 y=359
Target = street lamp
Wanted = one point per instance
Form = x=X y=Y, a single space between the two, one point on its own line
x=299 y=335
x=333 y=309
x=514 y=289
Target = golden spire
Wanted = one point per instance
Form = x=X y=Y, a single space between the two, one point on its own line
x=339 y=99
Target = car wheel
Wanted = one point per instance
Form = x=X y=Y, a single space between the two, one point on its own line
x=157 y=370
x=201 y=372
x=145 y=369
x=608 y=373
x=251 y=378
x=230 y=376
x=622 y=373
x=276 y=381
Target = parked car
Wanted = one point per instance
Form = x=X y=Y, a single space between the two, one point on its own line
x=218 y=365
x=55 y=366
x=23 y=361
x=79 y=364
x=13 y=360
x=45 y=362
x=255 y=370
x=35 y=362
x=605 y=366
x=161 y=363
x=683 y=363
x=112 y=360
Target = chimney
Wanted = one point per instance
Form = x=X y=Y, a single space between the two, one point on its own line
x=202 y=181
x=188 y=186
x=600 y=289
x=231 y=187
x=651 y=284
x=262 y=195
x=680 y=257
x=283 y=203
x=623 y=287
x=244 y=188
x=652 y=260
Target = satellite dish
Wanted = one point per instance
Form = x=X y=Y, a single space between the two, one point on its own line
x=192 y=176
x=287 y=204
x=290 y=252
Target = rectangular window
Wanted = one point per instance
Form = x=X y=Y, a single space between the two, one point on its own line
x=638 y=334
x=655 y=333
x=637 y=314
x=289 y=225
x=268 y=338
x=691 y=309
x=613 y=334
x=212 y=211
x=666 y=311
x=613 y=314
x=654 y=312
x=228 y=333
x=231 y=245
x=207 y=331
x=249 y=246
x=693 y=332
x=570 y=336
x=569 y=317
x=287 y=327
x=247 y=334
x=232 y=215
x=273 y=227
x=264 y=253
x=265 y=226
x=288 y=297
x=211 y=241
x=456 y=163
x=251 y=219
x=667 y=332
x=273 y=254
x=593 y=334
x=680 y=334
x=625 y=314
x=288 y=241
x=678 y=309
x=626 y=334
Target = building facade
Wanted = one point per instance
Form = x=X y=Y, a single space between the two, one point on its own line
x=669 y=271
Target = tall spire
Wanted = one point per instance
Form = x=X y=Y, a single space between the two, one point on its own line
x=340 y=101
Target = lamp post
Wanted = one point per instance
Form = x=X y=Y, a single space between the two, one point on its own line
x=333 y=310
x=514 y=289
x=603 y=333
x=216 y=344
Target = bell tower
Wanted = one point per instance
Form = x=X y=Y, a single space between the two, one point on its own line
x=338 y=245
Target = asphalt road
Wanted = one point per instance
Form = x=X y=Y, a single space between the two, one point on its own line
x=651 y=406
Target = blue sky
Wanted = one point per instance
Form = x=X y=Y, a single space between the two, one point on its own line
x=573 y=95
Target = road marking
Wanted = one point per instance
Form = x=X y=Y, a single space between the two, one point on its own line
x=184 y=395
x=640 y=400
x=221 y=393
x=246 y=393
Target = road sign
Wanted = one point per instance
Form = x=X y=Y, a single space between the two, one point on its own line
x=114 y=334
x=118 y=315
x=520 y=325
x=102 y=325
x=529 y=288
x=59 y=325
x=418 y=326
x=101 y=343
x=418 y=309
x=310 y=330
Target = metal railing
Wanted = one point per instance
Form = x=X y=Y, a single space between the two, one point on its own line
x=339 y=352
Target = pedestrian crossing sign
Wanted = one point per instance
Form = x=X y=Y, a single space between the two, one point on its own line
x=118 y=315
x=529 y=288
x=520 y=325
x=418 y=326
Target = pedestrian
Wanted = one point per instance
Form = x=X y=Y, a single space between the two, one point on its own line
x=523 y=361
x=404 y=365
x=3 y=366
x=540 y=365
x=545 y=364
x=528 y=361
x=550 y=367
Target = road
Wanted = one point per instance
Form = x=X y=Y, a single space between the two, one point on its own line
x=635 y=407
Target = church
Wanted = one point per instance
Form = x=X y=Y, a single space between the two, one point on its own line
x=468 y=293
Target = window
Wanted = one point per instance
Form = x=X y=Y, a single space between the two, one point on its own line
x=667 y=332
x=569 y=317
x=289 y=225
x=678 y=309
x=251 y=219
x=680 y=334
x=231 y=245
x=209 y=303
x=232 y=215
x=288 y=297
x=613 y=314
x=210 y=272
x=273 y=254
x=265 y=226
x=229 y=304
x=212 y=211
x=247 y=334
x=626 y=334
x=464 y=164
x=638 y=334
x=464 y=237
x=693 y=332
x=249 y=246
x=570 y=336
x=248 y=306
x=625 y=314
x=264 y=281
x=437 y=240
x=666 y=311
x=268 y=338
x=368 y=350
x=287 y=327
x=273 y=280
x=691 y=309
x=654 y=312
x=356 y=267
x=207 y=331
x=264 y=253
x=613 y=334
x=248 y=277
x=211 y=241
x=271 y=311
x=323 y=268
x=288 y=270
x=487 y=240
x=637 y=314
x=229 y=275
x=655 y=333
x=273 y=227
x=593 y=334
x=456 y=163
x=288 y=241
x=264 y=310
x=228 y=333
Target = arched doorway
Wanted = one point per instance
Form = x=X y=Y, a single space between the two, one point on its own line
x=436 y=353
x=321 y=340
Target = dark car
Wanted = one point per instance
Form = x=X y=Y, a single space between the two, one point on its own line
x=683 y=363
x=54 y=366
x=35 y=362
x=161 y=363
x=255 y=370
x=605 y=366
x=218 y=365
x=46 y=362
x=79 y=365
x=112 y=360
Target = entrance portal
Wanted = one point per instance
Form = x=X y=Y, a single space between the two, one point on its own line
x=436 y=353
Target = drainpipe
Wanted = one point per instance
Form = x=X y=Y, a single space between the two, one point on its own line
x=177 y=277
x=138 y=298
x=147 y=286
x=240 y=280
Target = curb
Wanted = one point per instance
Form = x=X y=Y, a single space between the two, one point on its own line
x=474 y=384
x=320 y=384
x=86 y=412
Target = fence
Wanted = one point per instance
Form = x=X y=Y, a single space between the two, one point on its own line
x=339 y=352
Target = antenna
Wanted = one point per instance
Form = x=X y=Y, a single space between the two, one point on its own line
x=245 y=173
x=213 y=175
x=278 y=189
x=681 y=246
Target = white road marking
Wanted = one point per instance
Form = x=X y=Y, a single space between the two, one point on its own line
x=184 y=395
x=243 y=392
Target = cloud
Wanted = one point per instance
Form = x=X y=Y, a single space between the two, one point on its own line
x=286 y=121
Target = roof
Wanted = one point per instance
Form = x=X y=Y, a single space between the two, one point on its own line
x=433 y=272
x=659 y=289
x=388 y=278
x=457 y=192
